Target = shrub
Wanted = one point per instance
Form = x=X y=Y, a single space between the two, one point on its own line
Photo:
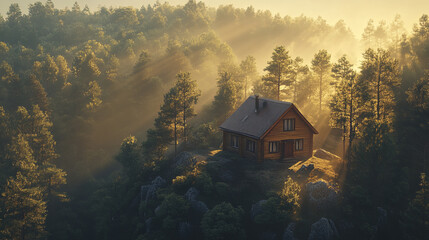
x=223 y=222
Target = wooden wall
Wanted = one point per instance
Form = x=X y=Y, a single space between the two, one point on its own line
x=302 y=131
x=242 y=145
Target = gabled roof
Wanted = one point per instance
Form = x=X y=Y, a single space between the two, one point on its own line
x=247 y=122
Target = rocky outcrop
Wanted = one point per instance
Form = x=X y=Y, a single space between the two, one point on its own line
x=306 y=168
x=324 y=229
x=288 y=233
x=256 y=209
x=148 y=192
x=184 y=160
x=197 y=208
x=192 y=194
x=321 y=195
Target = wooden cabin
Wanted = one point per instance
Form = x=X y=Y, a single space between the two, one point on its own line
x=268 y=129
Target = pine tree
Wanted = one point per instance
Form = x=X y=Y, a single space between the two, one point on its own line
x=24 y=212
x=76 y=8
x=5 y=136
x=298 y=69
x=279 y=71
x=36 y=127
x=321 y=66
x=49 y=72
x=188 y=95
x=379 y=75
x=12 y=90
x=170 y=114
x=177 y=109
x=63 y=71
x=415 y=219
x=248 y=69
x=343 y=104
x=368 y=34
x=93 y=95
x=38 y=94
x=226 y=99
x=396 y=30
x=142 y=62
x=130 y=158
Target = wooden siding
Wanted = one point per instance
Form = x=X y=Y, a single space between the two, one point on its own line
x=302 y=131
x=241 y=145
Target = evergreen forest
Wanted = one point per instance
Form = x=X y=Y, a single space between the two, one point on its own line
x=109 y=124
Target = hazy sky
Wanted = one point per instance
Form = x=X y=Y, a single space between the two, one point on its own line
x=354 y=12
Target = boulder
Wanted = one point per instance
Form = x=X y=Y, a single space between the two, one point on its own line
x=192 y=194
x=148 y=192
x=159 y=181
x=151 y=192
x=185 y=230
x=324 y=229
x=184 y=159
x=143 y=192
x=156 y=211
x=256 y=209
x=307 y=169
x=321 y=195
x=288 y=233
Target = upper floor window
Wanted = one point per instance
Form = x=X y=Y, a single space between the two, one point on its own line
x=250 y=146
x=289 y=124
x=234 y=141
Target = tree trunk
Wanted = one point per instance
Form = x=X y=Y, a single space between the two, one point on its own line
x=175 y=136
x=344 y=130
x=351 y=116
x=320 y=95
x=294 y=88
x=278 y=82
x=378 y=91
x=245 y=88
x=23 y=230
x=185 y=138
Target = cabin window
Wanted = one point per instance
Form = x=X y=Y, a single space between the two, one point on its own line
x=299 y=144
x=234 y=141
x=289 y=124
x=274 y=147
x=250 y=146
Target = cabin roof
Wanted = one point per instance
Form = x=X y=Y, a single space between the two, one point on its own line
x=247 y=122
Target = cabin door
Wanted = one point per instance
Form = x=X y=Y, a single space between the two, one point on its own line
x=288 y=148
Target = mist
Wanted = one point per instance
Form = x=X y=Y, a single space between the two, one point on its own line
x=101 y=101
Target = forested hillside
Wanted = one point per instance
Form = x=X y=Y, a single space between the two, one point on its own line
x=78 y=85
